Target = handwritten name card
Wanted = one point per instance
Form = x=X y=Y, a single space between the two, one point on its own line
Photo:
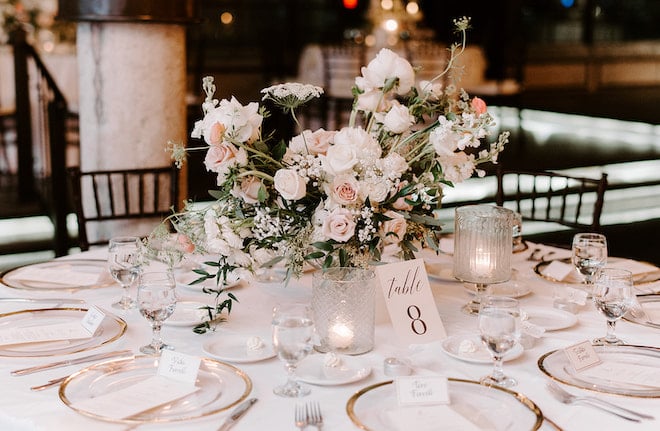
x=410 y=302
x=179 y=366
x=426 y=390
x=558 y=270
x=582 y=355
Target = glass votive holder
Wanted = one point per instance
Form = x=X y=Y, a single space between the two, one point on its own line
x=343 y=303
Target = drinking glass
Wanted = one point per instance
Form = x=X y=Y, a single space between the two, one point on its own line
x=499 y=325
x=589 y=255
x=613 y=296
x=123 y=264
x=293 y=329
x=156 y=300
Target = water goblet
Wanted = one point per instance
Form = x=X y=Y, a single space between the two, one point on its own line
x=123 y=264
x=589 y=255
x=613 y=296
x=156 y=300
x=293 y=329
x=499 y=325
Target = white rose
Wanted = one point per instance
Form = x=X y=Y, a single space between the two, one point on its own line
x=443 y=139
x=387 y=65
x=394 y=163
x=371 y=101
x=393 y=230
x=340 y=159
x=376 y=191
x=398 y=118
x=339 y=225
x=366 y=147
x=290 y=185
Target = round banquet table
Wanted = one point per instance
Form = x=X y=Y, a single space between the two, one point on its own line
x=23 y=409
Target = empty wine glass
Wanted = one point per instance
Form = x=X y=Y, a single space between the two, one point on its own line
x=589 y=255
x=156 y=300
x=123 y=264
x=613 y=296
x=499 y=325
x=293 y=329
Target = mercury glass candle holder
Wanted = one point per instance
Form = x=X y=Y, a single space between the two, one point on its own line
x=483 y=237
x=343 y=303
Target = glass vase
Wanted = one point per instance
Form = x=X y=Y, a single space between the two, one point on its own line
x=343 y=303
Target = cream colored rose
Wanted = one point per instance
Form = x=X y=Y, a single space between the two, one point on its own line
x=372 y=101
x=376 y=191
x=400 y=203
x=387 y=65
x=290 y=185
x=340 y=159
x=398 y=118
x=344 y=189
x=393 y=230
x=394 y=163
x=313 y=143
x=219 y=156
x=339 y=225
x=248 y=189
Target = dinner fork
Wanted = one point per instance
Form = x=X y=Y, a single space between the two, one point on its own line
x=568 y=398
x=313 y=415
x=300 y=417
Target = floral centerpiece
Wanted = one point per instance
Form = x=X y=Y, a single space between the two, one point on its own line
x=334 y=197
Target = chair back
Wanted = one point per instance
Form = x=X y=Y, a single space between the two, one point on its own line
x=121 y=202
x=544 y=196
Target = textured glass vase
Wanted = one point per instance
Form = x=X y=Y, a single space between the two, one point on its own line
x=343 y=302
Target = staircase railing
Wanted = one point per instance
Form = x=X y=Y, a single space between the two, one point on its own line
x=41 y=113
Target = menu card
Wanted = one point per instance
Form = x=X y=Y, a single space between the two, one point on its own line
x=174 y=379
x=73 y=330
x=55 y=275
x=628 y=373
x=410 y=302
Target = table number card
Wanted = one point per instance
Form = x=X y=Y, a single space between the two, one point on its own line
x=426 y=390
x=410 y=302
x=582 y=356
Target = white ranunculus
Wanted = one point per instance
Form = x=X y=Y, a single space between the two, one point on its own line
x=398 y=118
x=339 y=225
x=289 y=184
x=387 y=65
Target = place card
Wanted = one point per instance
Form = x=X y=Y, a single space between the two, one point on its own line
x=429 y=418
x=55 y=275
x=179 y=366
x=582 y=355
x=409 y=300
x=74 y=330
x=426 y=390
x=558 y=270
x=625 y=373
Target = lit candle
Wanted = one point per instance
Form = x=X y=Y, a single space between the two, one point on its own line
x=482 y=263
x=340 y=335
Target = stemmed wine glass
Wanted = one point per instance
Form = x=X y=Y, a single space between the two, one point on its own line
x=156 y=300
x=589 y=255
x=613 y=296
x=124 y=266
x=499 y=325
x=293 y=328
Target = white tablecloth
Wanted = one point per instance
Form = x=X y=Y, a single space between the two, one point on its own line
x=22 y=409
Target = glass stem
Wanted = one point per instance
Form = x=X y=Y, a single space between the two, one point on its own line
x=498 y=372
x=611 y=326
x=481 y=291
x=156 y=339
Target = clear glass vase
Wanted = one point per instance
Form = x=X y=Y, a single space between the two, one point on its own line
x=343 y=303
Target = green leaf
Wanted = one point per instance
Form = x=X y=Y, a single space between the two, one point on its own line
x=327 y=263
x=343 y=257
x=323 y=245
x=315 y=255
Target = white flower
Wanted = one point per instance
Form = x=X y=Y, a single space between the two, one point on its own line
x=314 y=143
x=398 y=118
x=230 y=121
x=372 y=101
x=340 y=159
x=443 y=139
x=457 y=167
x=376 y=189
x=289 y=184
x=221 y=157
x=387 y=66
x=339 y=225
x=366 y=146
x=394 y=163
x=432 y=90
x=248 y=189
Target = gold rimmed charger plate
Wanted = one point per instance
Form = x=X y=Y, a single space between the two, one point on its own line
x=18 y=278
x=638 y=279
x=650 y=315
x=482 y=404
x=555 y=365
x=221 y=387
x=110 y=329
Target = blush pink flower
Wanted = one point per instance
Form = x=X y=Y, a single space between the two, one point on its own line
x=339 y=225
x=479 y=106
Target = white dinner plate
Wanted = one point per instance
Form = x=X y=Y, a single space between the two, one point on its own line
x=440 y=271
x=313 y=370
x=550 y=319
x=452 y=347
x=187 y=313
x=234 y=348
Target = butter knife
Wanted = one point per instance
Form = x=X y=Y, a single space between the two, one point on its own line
x=236 y=414
x=68 y=362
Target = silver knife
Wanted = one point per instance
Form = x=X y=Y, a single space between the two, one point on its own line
x=68 y=362
x=236 y=414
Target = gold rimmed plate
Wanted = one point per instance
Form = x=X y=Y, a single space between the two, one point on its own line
x=220 y=387
x=649 y=315
x=643 y=273
x=111 y=329
x=624 y=370
x=61 y=275
x=486 y=407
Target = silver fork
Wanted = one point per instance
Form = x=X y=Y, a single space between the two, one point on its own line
x=314 y=416
x=300 y=417
x=568 y=398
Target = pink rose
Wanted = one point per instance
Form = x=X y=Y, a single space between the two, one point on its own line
x=216 y=133
x=393 y=230
x=185 y=243
x=400 y=203
x=248 y=189
x=344 y=189
x=313 y=143
x=479 y=106
x=339 y=225
x=220 y=155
